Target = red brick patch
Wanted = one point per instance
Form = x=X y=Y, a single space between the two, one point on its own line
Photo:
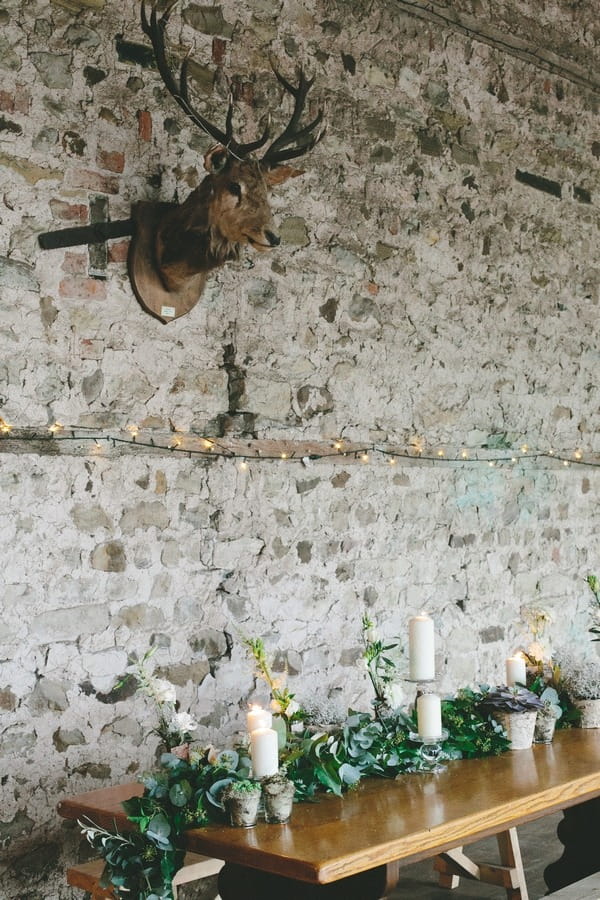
x=7 y=102
x=94 y=181
x=117 y=251
x=69 y=212
x=218 y=51
x=113 y=160
x=82 y=288
x=144 y=124
x=75 y=263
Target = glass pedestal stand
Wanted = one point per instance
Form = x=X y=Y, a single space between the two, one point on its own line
x=431 y=751
x=422 y=686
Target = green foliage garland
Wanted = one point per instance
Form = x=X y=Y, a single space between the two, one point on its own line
x=185 y=793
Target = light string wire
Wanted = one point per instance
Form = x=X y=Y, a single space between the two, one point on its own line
x=212 y=448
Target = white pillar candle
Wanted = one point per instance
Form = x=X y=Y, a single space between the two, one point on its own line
x=421 y=648
x=264 y=752
x=257 y=717
x=516 y=670
x=429 y=716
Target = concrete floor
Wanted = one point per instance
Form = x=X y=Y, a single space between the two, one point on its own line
x=539 y=847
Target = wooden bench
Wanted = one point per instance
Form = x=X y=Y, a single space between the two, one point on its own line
x=87 y=875
x=587 y=889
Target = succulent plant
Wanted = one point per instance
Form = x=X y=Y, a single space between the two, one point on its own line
x=511 y=699
x=242 y=788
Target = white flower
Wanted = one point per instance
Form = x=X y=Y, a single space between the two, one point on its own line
x=395 y=693
x=275 y=706
x=163 y=691
x=371 y=635
x=182 y=722
x=292 y=708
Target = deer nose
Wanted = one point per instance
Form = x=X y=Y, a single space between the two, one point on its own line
x=273 y=239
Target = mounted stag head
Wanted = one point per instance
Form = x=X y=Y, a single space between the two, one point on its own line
x=175 y=247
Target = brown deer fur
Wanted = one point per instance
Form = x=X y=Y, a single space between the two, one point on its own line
x=228 y=210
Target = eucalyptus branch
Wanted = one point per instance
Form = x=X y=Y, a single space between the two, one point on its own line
x=282 y=700
x=380 y=667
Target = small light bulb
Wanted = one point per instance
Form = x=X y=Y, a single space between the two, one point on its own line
x=578 y=454
x=491 y=463
x=524 y=448
x=133 y=431
x=365 y=457
x=440 y=453
x=208 y=445
x=337 y=445
x=565 y=462
x=513 y=459
x=284 y=456
x=550 y=452
x=243 y=465
x=393 y=461
x=54 y=428
x=464 y=454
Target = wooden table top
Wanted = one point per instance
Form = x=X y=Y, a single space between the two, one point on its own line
x=381 y=821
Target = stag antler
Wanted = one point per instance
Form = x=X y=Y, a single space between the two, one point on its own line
x=291 y=143
x=303 y=138
x=155 y=28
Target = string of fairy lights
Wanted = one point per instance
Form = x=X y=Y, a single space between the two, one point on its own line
x=243 y=451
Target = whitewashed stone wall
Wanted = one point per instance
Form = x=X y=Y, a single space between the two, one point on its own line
x=421 y=292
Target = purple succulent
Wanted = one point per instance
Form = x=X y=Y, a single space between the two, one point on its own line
x=511 y=699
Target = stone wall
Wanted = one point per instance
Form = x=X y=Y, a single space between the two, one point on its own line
x=436 y=287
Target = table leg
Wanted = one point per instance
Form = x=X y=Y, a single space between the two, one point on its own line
x=510 y=856
x=455 y=864
x=578 y=832
x=241 y=883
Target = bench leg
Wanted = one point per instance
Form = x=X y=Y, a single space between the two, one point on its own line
x=455 y=864
x=578 y=832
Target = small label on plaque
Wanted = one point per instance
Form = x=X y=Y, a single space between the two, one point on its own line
x=167 y=312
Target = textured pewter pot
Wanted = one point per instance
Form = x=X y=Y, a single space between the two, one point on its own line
x=590 y=713
x=519 y=727
x=544 y=728
x=242 y=809
x=278 y=797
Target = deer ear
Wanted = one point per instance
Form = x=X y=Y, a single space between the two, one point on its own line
x=215 y=159
x=279 y=174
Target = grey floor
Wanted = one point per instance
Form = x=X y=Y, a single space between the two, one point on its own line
x=539 y=847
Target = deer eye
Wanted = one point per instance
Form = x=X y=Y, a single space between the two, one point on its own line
x=236 y=189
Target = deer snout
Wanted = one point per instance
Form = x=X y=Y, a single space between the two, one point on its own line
x=273 y=239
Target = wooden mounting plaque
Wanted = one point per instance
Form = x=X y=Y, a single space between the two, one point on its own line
x=144 y=274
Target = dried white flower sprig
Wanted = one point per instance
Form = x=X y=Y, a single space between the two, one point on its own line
x=174 y=727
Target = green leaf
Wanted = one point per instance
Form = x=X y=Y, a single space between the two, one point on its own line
x=158 y=831
x=180 y=793
x=349 y=774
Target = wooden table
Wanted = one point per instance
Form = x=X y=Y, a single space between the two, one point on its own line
x=352 y=847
